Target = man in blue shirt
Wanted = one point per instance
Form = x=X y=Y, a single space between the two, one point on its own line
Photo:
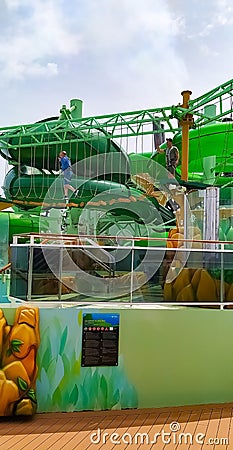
x=67 y=173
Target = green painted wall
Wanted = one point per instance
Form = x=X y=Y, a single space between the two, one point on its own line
x=179 y=356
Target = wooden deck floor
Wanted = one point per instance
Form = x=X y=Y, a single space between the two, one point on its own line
x=204 y=427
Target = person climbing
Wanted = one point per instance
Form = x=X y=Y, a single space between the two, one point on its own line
x=67 y=173
x=171 y=154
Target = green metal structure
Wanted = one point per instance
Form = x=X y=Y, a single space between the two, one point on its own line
x=105 y=152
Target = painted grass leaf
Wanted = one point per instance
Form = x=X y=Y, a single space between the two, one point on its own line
x=14 y=347
x=46 y=359
x=63 y=340
x=74 y=396
x=57 y=397
x=32 y=395
x=22 y=384
x=103 y=393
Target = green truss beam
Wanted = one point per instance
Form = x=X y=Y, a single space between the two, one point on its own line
x=120 y=125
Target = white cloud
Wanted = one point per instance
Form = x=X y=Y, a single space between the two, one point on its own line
x=119 y=23
x=128 y=43
x=205 y=18
x=34 y=70
x=207 y=51
x=34 y=39
x=134 y=42
x=115 y=54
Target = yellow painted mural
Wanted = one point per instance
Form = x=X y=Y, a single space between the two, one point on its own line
x=18 y=369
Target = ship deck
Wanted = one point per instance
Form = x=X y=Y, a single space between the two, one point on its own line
x=209 y=426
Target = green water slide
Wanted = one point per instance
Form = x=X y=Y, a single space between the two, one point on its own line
x=34 y=185
x=16 y=223
x=46 y=191
x=210 y=153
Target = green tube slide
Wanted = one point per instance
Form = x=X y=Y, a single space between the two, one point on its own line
x=12 y=223
x=40 y=190
x=38 y=186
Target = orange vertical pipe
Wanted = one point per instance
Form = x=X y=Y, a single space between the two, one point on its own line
x=185 y=124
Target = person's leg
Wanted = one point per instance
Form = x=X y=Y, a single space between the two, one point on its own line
x=65 y=187
x=171 y=169
x=70 y=187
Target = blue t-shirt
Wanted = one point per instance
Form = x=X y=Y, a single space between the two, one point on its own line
x=65 y=163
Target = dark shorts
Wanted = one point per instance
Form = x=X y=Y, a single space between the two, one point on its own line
x=171 y=169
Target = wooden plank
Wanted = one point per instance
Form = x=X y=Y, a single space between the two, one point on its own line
x=82 y=431
x=69 y=431
x=212 y=428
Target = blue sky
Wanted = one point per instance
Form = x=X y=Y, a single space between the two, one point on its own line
x=116 y=55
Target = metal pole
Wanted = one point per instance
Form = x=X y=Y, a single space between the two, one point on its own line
x=185 y=151
x=30 y=268
x=222 y=286
x=60 y=274
x=211 y=216
x=185 y=123
x=131 y=277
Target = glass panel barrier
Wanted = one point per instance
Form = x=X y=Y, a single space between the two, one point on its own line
x=4 y=239
x=81 y=270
